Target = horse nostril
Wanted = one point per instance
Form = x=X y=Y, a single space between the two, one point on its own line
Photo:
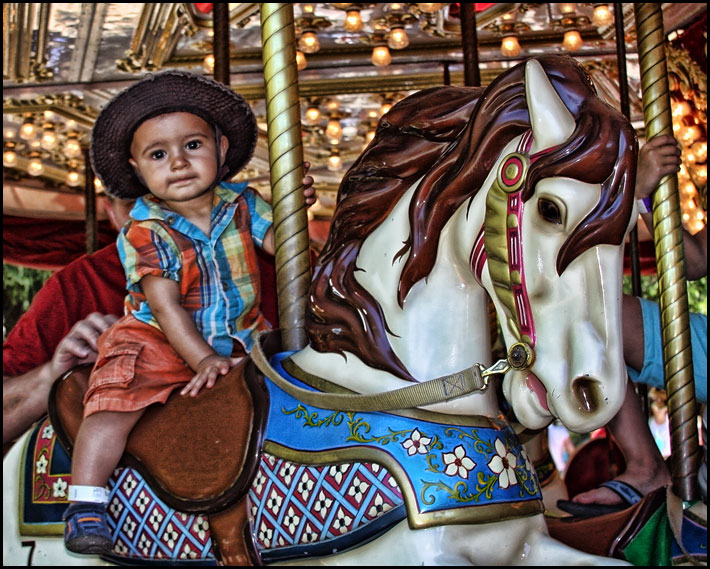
x=587 y=393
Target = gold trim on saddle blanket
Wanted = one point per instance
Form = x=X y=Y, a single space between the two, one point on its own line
x=42 y=430
x=474 y=515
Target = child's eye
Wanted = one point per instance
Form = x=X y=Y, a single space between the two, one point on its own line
x=157 y=155
x=194 y=144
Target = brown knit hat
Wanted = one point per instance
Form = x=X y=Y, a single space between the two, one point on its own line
x=157 y=94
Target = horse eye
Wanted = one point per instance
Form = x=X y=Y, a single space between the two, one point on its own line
x=549 y=211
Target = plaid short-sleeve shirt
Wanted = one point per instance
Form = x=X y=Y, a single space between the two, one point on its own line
x=218 y=273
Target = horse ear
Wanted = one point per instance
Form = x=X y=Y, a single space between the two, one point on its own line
x=552 y=123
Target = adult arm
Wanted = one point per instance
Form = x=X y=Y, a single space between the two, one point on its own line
x=25 y=396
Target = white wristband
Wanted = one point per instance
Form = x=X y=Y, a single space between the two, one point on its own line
x=93 y=494
x=645 y=205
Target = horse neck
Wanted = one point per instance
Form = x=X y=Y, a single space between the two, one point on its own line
x=443 y=325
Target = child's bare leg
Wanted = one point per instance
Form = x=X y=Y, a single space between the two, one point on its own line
x=99 y=445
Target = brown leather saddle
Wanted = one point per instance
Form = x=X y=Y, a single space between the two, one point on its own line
x=198 y=454
x=609 y=534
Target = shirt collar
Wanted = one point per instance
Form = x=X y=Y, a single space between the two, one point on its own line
x=148 y=206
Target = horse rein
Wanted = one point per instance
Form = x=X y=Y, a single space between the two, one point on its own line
x=438 y=390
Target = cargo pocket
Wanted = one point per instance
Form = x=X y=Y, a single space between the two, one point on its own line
x=117 y=367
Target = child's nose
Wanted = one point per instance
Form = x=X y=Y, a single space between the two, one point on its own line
x=179 y=162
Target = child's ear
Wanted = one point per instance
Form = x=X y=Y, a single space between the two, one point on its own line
x=223 y=147
x=137 y=172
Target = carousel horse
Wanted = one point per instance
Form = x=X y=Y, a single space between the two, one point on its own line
x=383 y=441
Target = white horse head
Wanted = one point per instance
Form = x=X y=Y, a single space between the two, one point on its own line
x=524 y=193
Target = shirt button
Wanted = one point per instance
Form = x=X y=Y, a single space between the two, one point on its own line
x=225 y=285
x=170 y=219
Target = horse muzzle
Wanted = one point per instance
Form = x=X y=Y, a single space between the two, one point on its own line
x=587 y=406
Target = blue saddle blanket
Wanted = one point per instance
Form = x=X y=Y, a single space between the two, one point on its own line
x=450 y=469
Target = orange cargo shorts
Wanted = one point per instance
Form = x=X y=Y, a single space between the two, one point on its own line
x=136 y=367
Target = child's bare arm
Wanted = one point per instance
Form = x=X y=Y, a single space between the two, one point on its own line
x=660 y=157
x=176 y=323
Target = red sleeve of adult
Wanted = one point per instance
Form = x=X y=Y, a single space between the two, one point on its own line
x=92 y=283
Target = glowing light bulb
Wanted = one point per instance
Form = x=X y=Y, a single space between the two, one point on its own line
x=333 y=130
x=308 y=42
x=398 y=38
x=689 y=189
x=572 y=40
x=208 y=63
x=700 y=150
x=567 y=8
x=335 y=162
x=28 y=130
x=49 y=140
x=680 y=109
x=690 y=134
x=381 y=56
x=35 y=166
x=510 y=47
x=73 y=179
x=72 y=147
x=353 y=21
x=602 y=15
x=9 y=158
x=312 y=115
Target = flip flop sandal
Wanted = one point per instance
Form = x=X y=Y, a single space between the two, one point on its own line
x=628 y=494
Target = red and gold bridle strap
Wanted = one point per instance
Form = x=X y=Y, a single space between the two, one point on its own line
x=502 y=248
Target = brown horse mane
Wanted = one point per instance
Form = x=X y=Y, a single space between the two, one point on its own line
x=451 y=137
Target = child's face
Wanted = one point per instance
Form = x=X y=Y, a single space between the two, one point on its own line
x=175 y=155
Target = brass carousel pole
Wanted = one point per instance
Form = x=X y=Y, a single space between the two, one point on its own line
x=283 y=115
x=670 y=261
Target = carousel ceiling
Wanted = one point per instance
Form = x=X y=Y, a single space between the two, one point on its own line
x=63 y=61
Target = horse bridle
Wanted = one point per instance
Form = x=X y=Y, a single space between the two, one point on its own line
x=502 y=244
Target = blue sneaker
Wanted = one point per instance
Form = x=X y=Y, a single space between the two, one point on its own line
x=86 y=530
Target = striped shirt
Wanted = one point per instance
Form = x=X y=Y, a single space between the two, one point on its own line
x=218 y=273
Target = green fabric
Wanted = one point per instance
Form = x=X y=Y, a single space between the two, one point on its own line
x=652 y=545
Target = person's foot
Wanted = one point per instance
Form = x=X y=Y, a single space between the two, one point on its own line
x=645 y=480
x=86 y=530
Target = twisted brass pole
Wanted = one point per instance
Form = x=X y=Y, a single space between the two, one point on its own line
x=283 y=115
x=670 y=260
